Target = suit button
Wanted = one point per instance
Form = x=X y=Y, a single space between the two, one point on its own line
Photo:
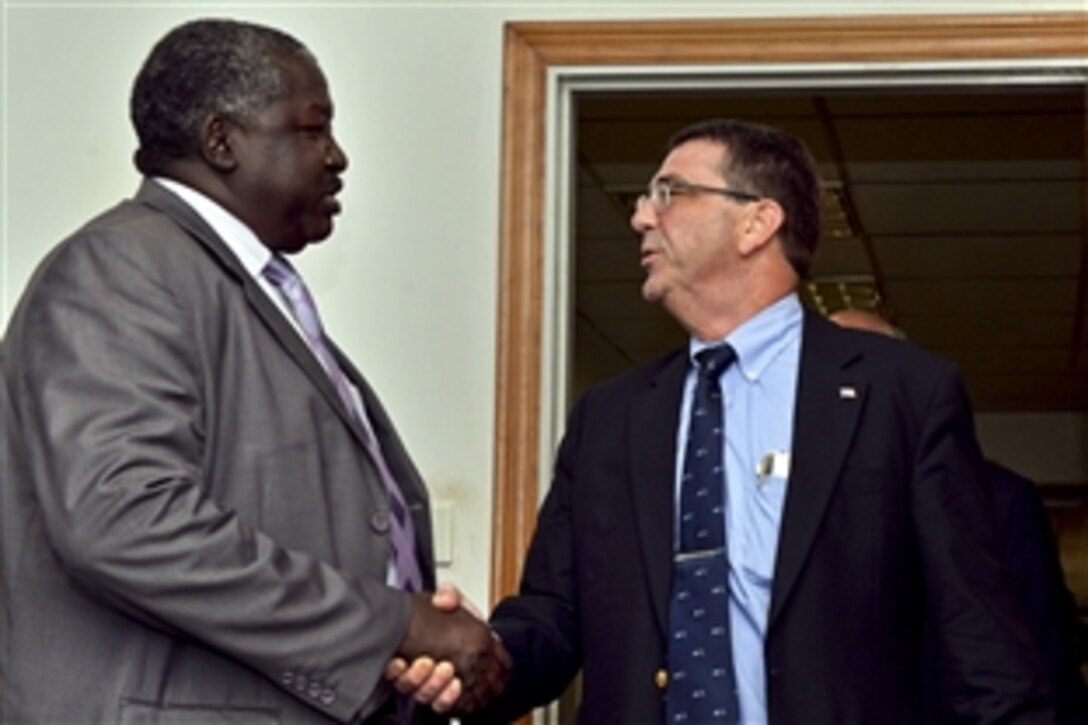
x=379 y=522
x=328 y=697
x=661 y=679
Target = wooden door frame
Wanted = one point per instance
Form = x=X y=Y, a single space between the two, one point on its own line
x=532 y=49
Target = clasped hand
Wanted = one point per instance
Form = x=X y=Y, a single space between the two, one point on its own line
x=449 y=659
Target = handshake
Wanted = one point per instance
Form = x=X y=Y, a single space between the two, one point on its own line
x=449 y=659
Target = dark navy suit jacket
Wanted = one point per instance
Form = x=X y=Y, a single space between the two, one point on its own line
x=886 y=522
x=1032 y=555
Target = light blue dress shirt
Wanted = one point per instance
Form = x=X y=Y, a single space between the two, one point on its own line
x=759 y=392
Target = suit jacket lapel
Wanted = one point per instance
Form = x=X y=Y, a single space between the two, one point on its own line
x=651 y=437
x=154 y=195
x=400 y=464
x=159 y=198
x=296 y=348
x=830 y=398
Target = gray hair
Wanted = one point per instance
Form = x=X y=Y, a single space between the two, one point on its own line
x=200 y=69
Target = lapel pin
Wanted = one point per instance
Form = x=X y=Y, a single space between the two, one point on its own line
x=847 y=393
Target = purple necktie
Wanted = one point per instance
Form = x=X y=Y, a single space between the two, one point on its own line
x=402 y=534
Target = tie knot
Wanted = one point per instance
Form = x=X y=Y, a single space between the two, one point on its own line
x=279 y=271
x=714 y=360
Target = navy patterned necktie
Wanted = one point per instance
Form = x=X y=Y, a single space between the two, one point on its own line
x=402 y=537
x=702 y=684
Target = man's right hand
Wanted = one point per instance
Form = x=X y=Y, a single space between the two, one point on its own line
x=454 y=635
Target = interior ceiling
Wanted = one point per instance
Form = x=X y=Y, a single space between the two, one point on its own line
x=958 y=213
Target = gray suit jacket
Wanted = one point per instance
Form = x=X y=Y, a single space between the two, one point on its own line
x=192 y=532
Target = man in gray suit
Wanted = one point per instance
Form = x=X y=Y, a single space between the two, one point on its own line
x=207 y=514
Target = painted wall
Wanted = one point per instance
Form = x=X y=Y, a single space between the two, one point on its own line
x=408 y=282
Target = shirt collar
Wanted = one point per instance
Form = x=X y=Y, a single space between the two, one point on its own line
x=241 y=240
x=760 y=338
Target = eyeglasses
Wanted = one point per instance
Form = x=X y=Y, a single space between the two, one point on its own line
x=661 y=192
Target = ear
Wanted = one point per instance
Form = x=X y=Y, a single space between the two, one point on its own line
x=215 y=143
x=759 y=225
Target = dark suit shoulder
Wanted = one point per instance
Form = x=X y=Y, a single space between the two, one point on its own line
x=883 y=355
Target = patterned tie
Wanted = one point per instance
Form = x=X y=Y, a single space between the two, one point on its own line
x=402 y=533
x=702 y=685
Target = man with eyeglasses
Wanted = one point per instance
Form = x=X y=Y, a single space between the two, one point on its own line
x=761 y=540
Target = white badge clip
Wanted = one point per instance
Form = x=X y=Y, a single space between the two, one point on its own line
x=774 y=463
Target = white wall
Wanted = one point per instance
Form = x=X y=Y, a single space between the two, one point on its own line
x=408 y=282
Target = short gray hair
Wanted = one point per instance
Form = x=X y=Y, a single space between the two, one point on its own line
x=204 y=68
